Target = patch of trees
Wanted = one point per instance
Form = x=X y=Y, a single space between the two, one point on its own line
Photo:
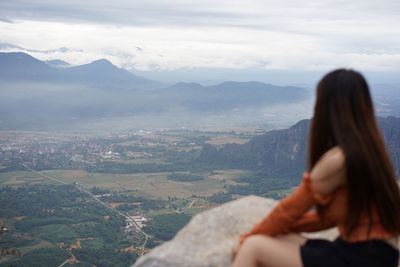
x=40 y=257
x=60 y=214
x=99 y=191
x=107 y=257
x=261 y=185
x=36 y=199
x=165 y=226
x=152 y=204
x=220 y=197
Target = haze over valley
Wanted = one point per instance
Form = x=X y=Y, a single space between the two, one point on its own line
x=37 y=95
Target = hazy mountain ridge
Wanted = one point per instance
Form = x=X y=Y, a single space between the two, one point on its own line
x=23 y=67
x=33 y=94
x=103 y=73
x=282 y=153
x=234 y=95
x=19 y=66
x=57 y=63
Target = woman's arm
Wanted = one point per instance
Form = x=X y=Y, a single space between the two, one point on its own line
x=316 y=188
x=326 y=177
x=287 y=211
x=310 y=222
x=329 y=172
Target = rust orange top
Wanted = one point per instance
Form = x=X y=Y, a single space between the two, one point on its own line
x=293 y=214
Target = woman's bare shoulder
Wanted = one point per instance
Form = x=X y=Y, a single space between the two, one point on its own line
x=330 y=171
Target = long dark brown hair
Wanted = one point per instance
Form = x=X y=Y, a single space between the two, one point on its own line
x=344 y=116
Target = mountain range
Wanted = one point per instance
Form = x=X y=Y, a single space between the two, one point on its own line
x=231 y=95
x=47 y=92
x=21 y=67
x=282 y=153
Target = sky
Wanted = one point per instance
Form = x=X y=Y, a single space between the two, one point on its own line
x=168 y=35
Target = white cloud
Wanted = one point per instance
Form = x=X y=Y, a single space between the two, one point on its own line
x=288 y=34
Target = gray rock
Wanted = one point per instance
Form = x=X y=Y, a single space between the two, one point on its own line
x=208 y=239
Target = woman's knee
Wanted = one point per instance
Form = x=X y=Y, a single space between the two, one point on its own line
x=256 y=243
x=271 y=251
x=295 y=238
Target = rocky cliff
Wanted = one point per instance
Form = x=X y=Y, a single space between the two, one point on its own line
x=282 y=153
x=208 y=239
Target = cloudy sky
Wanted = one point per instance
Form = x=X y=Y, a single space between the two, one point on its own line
x=235 y=34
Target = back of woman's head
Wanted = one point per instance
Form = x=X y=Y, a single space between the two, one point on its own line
x=344 y=116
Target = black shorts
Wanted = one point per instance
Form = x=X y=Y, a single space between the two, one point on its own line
x=339 y=253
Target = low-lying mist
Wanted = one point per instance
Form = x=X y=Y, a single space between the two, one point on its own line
x=45 y=106
x=48 y=106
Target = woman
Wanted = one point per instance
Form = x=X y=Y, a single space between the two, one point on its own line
x=350 y=183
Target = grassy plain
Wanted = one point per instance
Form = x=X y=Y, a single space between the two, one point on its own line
x=20 y=178
x=151 y=185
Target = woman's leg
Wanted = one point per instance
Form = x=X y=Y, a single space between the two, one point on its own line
x=295 y=238
x=265 y=251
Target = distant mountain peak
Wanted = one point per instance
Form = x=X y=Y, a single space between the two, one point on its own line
x=186 y=86
x=245 y=82
x=19 y=66
x=57 y=63
x=103 y=62
x=19 y=58
x=17 y=55
x=300 y=123
x=100 y=65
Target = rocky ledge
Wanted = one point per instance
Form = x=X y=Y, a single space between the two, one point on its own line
x=208 y=239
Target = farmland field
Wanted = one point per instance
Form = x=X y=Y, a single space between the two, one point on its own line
x=146 y=184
